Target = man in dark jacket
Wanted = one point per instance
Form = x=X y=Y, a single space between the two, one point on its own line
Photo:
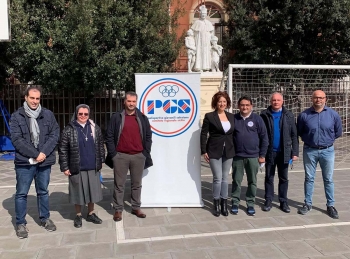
x=34 y=134
x=128 y=141
x=283 y=146
x=250 y=141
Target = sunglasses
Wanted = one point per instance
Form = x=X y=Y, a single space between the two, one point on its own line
x=81 y=114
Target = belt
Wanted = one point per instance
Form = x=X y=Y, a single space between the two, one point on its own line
x=320 y=147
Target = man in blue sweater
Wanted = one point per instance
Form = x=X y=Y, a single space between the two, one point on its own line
x=283 y=146
x=251 y=142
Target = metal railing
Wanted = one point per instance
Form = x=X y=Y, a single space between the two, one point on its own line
x=62 y=103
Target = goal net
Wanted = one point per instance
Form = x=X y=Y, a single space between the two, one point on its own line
x=296 y=83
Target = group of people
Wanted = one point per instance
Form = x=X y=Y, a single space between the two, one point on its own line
x=246 y=141
x=81 y=148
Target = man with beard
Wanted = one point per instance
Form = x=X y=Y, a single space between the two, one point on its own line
x=128 y=141
x=34 y=134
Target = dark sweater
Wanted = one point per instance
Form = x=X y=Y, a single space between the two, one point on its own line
x=250 y=136
x=130 y=141
x=86 y=147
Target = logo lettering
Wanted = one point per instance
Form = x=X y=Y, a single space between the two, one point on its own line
x=169 y=106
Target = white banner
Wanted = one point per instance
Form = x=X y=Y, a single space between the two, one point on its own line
x=172 y=104
x=4 y=20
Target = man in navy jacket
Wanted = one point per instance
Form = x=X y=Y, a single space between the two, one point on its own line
x=250 y=141
x=34 y=134
x=283 y=146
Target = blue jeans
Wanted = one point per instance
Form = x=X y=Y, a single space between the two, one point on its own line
x=24 y=177
x=325 y=157
x=220 y=169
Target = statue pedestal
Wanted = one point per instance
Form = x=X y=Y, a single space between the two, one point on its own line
x=210 y=84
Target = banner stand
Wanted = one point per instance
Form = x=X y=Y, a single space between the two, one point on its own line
x=171 y=101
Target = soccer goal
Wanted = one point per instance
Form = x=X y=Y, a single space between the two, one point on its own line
x=296 y=83
x=5 y=32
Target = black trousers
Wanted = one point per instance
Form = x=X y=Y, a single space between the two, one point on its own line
x=282 y=170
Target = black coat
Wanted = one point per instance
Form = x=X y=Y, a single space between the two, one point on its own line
x=114 y=130
x=289 y=135
x=214 y=145
x=68 y=148
x=20 y=137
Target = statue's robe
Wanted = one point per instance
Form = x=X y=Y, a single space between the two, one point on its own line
x=202 y=33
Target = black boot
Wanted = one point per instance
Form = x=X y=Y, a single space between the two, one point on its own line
x=224 y=211
x=216 y=208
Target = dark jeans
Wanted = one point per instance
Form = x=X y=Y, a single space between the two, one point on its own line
x=24 y=177
x=282 y=170
x=122 y=163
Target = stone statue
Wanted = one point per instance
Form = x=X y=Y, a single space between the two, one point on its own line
x=191 y=50
x=216 y=52
x=203 y=30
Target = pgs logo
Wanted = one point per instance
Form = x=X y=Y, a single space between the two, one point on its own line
x=170 y=106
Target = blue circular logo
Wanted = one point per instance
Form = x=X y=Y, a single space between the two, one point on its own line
x=170 y=106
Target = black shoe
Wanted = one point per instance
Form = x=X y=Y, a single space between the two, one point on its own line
x=78 y=221
x=284 y=207
x=332 y=212
x=234 y=209
x=224 y=211
x=250 y=211
x=305 y=209
x=267 y=206
x=48 y=225
x=22 y=231
x=93 y=218
x=216 y=208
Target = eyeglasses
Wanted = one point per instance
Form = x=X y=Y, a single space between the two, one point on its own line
x=320 y=98
x=81 y=114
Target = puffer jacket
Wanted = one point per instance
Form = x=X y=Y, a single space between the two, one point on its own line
x=289 y=136
x=68 y=148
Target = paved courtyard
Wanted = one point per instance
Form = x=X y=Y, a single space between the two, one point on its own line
x=180 y=232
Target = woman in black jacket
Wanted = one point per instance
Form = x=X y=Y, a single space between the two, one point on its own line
x=217 y=148
x=81 y=154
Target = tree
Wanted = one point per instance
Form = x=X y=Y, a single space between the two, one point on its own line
x=89 y=44
x=288 y=31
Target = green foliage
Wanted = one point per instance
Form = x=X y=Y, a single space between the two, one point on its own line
x=89 y=44
x=288 y=31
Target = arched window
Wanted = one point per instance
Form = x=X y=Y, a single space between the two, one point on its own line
x=213 y=12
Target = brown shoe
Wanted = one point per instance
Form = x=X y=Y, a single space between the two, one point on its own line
x=138 y=213
x=117 y=216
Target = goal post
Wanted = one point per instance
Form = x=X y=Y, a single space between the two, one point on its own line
x=296 y=83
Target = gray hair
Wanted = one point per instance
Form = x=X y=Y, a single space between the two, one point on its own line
x=276 y=93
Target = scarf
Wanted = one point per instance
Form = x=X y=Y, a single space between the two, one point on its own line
x=33 y=124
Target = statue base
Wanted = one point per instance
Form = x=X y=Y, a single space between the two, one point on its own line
x=210 y=84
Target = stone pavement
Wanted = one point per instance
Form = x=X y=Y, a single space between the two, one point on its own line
x=180 y=232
